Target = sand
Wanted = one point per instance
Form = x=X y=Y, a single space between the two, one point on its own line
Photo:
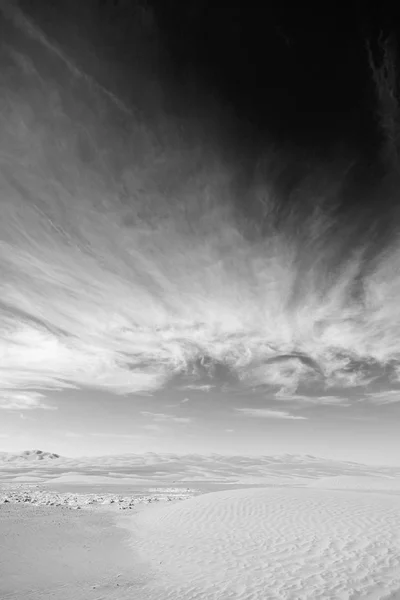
x=63 y=554
x=262 y=544
x=69 y=545
x=239 y=544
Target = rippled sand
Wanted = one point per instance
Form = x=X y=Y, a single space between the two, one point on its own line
x=261 y=544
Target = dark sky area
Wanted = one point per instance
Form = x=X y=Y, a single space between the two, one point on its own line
x=283 y=75
x=297 y=73
x=293 y=80
x=293 y=69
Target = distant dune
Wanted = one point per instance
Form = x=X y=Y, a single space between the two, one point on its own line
x=360 y=482
x=173 y=469
x=27 y=455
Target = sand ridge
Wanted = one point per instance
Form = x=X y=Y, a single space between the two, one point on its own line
x=264 y=544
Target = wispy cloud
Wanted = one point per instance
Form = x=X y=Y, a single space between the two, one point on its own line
x=13 y=400
x=264 y=413
x=199 y=388
x=385 y=397
x=319 y=400
x=24 y=417
x=122 y=271
x=164 y=418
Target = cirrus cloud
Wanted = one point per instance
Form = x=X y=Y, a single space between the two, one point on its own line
x=264 y=413
x=23 y=400
x=125 y=266
x=165 y=418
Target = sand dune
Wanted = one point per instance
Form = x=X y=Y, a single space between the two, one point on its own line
x=358 y=482
x=188 y=469
x=27 y=455
x=264 y=544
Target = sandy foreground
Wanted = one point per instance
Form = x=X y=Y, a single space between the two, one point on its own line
x=260 y=544
x=53 y=552
x=246 y=544
x=67 y=546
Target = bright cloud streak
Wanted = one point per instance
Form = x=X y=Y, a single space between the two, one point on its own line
x=125 y=265
x=13 y=400
x=165 y=418
x=304 y=400
x=264 y=413
x=387 y=397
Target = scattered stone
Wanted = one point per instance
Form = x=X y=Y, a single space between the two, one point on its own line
x=40 y=497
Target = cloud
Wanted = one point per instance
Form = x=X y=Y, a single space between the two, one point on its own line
x=164 y=418
x=264 y=413
x=199 y=388
x=385 y=397
x=13 y=400
x=126 y=266
x=317 y=400
x=24 y=417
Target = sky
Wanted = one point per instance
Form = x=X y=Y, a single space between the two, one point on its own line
x=198 y=247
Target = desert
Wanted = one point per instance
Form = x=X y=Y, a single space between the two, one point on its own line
x=326 y=535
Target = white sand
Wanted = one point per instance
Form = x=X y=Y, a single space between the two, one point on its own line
x=247 y=544
x=51 y=550
x=264 y=544
x=53 y=553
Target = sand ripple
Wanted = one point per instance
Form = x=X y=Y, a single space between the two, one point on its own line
x=260 y=544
